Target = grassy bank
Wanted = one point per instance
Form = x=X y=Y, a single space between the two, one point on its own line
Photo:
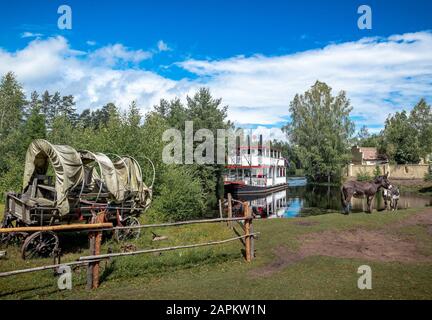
x=303 y=258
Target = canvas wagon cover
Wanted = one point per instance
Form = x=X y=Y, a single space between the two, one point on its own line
x=67 y=165
x=122 y=178
x=130 y=177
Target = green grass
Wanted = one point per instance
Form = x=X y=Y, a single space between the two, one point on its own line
x=220 y=272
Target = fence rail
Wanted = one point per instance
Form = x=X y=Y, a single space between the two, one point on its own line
x=95 y=235
x=131 y=253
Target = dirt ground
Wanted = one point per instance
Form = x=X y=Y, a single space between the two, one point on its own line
x=358 y=243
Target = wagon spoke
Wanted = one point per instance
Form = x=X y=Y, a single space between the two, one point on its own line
x=128 y=234
x=39 y=244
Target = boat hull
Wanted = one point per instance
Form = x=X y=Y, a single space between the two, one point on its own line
x=244 y=189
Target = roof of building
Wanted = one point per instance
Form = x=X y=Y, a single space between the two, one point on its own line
x=370 y=153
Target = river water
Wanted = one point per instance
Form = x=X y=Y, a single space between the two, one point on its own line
x=301 y=199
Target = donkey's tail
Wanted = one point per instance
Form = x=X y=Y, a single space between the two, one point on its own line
x=345 y=204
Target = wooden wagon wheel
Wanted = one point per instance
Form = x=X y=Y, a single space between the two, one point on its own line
x=12 y=238
x=128 y=234
x=40 y=244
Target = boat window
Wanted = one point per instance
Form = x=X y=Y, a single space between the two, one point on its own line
x=238 y=146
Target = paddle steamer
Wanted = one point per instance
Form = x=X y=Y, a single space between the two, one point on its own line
x=255 y=169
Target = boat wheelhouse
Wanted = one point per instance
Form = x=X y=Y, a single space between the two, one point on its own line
x=255 y=169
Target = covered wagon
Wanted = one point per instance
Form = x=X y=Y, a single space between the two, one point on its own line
x=62 y=185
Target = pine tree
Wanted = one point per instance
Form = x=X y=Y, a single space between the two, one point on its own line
x=12 y=102
x=46 y=102
x=35 y=126
x=33 y=103
x=85 y=119
x=54 y=107
x=67 y=109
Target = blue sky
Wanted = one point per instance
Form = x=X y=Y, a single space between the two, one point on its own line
x=254 y=54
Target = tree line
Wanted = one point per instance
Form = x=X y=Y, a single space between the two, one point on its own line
x=406 y=138
x=180 y=192
x=319 y=136
x=321 y=133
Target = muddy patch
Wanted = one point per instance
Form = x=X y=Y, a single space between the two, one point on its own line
x=373 y=245
x=283 y=258
x=424 y=218
x=356 y=243
x=361 y=244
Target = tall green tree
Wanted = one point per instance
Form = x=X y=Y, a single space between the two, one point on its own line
x=421 y=121
x=401 y=139
x=35 y=125
x=209 y=113
x=12 y=103
x=85 y=119
x=366 y=139
x=46 y=102
x=67 y=109
x=205 y=112
x=174 y=112
x=321 y=130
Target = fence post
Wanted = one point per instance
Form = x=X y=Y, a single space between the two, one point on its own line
x=220 y=209
x=95 y=239
x=252 y=240
x=90 y=264
x=230 y=210
x=97 y=248
x=248 y=221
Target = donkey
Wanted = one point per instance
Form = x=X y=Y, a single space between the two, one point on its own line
x=359 y=189
x=391 y=197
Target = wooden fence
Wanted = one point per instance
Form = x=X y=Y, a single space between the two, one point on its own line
x=97 y=226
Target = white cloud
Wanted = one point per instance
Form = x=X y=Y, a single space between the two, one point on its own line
x=380 y=75
x=162 y=46
x=270 y=134
x=28 y=34
x=117 y=53
x=93 y=78
x=91 y=43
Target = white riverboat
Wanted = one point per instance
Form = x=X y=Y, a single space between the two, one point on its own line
x=255 y=169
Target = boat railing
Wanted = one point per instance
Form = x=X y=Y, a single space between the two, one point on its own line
x=255 y=181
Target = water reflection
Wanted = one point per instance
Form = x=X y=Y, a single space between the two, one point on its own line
x=300 y=199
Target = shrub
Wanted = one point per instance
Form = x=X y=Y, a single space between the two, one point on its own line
x=291 y=169
x=428 y=176
x=363 y=175
x=181 y=196
x=377 y=171
x=11 y=180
